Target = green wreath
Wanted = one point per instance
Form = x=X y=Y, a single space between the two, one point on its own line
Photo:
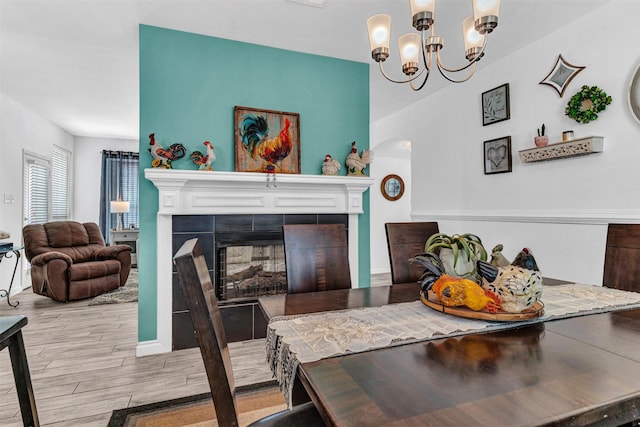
x=585 y=105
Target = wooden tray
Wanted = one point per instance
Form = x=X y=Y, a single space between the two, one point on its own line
x=500 y=316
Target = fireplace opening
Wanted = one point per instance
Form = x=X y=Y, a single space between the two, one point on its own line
x=250 y=270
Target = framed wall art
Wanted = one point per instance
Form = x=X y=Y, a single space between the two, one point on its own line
x=392 y=187
x=561 y=75
x=495 y=105
x=497 y=155
x=266 y=140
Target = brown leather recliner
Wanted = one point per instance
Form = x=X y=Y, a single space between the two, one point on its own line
x=70 y=261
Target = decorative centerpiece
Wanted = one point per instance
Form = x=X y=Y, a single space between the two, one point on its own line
x=459 y=253
x=541 y=140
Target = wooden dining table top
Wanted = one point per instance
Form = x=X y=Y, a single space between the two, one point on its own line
x=574 y=371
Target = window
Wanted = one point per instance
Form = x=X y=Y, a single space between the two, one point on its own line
x=119 y=182
x=60 y=184
x=36 y=189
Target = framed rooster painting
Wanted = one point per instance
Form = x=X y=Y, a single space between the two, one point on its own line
x=266 y=141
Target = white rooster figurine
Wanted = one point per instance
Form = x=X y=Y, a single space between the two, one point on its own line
x=330 y=166
x=202 y=160
x=519 y=285
x=355 y=163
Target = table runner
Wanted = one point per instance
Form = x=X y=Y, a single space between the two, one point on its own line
x=292 y=340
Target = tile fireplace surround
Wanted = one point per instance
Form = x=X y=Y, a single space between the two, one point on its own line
x=183 y=192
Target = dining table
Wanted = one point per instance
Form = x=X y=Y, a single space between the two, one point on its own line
x=575 y=367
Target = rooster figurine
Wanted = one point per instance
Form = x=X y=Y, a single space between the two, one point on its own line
x=519 y=285
x=330 y=166
x=355 y=163
x=453 y=291
x=497 y=258
x=204 y=160
x=254 y=133
x=164 y=158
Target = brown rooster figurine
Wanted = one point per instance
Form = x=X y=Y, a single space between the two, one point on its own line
x=164 y=158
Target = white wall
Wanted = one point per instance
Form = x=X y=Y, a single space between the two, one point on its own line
x=87 y=173
x=21 y=129
x=389 y=157
x=557 y=208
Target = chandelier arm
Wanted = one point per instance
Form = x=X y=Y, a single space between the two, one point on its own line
x=426 y=77
x=456 y=70
x=473 y=70
x=398 y=81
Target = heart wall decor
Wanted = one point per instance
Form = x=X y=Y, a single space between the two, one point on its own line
x=497 y=155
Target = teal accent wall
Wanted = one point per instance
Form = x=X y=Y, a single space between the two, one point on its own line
x=189 y=84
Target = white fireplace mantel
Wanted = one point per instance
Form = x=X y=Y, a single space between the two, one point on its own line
x=183 y=192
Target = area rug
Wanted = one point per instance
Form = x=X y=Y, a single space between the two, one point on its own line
x=126 y=293
x=253 y=402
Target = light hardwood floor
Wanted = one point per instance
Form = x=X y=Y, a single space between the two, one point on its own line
x=83 y=364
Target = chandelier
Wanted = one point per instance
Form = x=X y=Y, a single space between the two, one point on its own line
x=427 y=45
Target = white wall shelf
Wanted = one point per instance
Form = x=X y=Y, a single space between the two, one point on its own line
x=560 y=150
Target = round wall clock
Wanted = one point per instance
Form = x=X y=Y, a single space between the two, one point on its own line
x=392 y=187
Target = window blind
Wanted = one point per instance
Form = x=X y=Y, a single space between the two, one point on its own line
x=60 y=184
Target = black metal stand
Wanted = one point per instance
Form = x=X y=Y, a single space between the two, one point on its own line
x=7 y=254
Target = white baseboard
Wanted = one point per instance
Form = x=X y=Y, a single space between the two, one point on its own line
x=553 y=216
x=147 y=348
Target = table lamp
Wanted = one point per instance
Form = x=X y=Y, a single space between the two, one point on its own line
x=119 y=207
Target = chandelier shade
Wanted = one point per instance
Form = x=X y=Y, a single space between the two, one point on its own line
x=420 y=52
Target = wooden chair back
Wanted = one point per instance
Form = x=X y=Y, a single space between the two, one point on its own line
x=316 y=257
x=405 y=240
x=201 y=300
x=622 y=257
x=200 y=297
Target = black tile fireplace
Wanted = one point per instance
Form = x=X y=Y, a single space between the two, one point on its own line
x=245 y=256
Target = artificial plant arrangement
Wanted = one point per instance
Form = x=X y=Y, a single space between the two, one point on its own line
x=584 y=106
x=459 y=253
x=541 y=140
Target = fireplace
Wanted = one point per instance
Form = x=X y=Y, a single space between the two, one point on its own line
x=250 y=270
x=189 y=199
x=245 y=257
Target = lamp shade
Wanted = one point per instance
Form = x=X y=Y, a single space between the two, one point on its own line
x=379 y=27
x=418 y=6
x=409 y=46
x=472 y=38
x=482 y=8
x=119 y=206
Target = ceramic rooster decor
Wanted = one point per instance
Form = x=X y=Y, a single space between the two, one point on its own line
x=497 y=258
x=453 y=291
x=203 y=161
x=330 y=166
x=162 y=158
x=356 y=163
x=519 y=285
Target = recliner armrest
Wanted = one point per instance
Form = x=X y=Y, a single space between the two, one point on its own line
x=110 y=252
x=43 y=259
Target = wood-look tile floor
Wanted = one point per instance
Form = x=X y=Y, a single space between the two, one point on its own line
x=83 y=364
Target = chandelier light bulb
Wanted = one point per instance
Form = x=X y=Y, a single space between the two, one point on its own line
x=379 y=27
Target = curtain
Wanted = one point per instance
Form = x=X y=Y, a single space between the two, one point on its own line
x=119 y=181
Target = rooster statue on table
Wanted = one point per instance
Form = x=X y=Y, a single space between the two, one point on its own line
x=518 y=285
x=254 y=134
x=203 y=161
x=330 y=166
x=356 y=163
x=162 y=158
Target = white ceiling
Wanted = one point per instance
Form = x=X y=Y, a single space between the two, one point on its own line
x=75 y=62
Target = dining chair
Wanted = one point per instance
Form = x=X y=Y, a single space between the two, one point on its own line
x=622 y=257
x=201 y=300
x=316 y=257
x=405 y=240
